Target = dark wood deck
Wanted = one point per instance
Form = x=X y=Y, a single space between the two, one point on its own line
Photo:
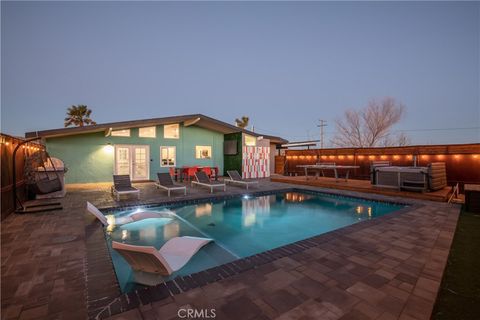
x=362 y=186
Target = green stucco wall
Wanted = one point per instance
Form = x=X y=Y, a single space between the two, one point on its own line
x=88 y=160
x=234 y=162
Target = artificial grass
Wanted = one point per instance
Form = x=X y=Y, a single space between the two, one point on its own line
x=459 y=295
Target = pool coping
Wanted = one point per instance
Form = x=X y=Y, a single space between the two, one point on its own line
x=102 y=265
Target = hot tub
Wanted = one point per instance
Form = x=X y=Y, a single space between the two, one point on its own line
x=401 y=177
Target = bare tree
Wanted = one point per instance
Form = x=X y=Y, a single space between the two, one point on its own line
x=398 y=140
x=370 y=126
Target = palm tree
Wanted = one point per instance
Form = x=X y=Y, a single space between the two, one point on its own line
x=242 y=122
x=78 y=116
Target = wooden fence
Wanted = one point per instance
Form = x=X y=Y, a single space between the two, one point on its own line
x=462 y=160
x=7 y=145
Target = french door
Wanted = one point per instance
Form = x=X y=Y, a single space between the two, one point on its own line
x=133 y=160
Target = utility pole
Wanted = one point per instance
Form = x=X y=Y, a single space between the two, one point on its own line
x=321 y=125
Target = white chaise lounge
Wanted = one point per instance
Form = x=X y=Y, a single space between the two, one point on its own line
x=235 y=177
x=131 y=218
x=165 y=182
x=203 y=180
x=150 y=265
x=123 y=185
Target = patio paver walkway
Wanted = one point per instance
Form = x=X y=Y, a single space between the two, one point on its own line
x=387 y=268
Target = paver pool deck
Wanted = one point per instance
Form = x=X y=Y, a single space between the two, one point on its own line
x=54 y=266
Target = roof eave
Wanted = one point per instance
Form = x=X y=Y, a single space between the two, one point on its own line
x=196 y=119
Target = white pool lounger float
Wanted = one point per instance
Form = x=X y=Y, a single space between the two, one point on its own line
x=150 y=265
x=136 y=216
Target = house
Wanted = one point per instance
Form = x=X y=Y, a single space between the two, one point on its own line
x=142 y=148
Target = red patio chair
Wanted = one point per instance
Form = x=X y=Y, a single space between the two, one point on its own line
x=190 y=172
x=208 y=171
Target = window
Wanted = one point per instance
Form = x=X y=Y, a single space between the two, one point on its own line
x=121 y=133
x=203 y=152
x=171 y=131
x=167 y=156
x=250 y=140
x=147 y=132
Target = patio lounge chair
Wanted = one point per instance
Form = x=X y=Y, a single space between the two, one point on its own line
x=150 y=264
x=235 y=177
x=165 y=182
x=128 y=219
x=123 y=185
x=203 y=180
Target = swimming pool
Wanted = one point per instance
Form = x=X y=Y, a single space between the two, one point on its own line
x=242 y=226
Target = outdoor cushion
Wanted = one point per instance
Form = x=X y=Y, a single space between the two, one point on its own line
x=202 y=177
x=234 y=175
x=165 y=179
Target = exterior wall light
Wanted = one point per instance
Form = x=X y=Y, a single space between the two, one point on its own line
x=108 y=148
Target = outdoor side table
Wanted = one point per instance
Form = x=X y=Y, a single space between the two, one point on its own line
x=472 y=197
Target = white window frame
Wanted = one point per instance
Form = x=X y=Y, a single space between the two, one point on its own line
x=119 y=133
x=197 y=152
x=143 y=136
x=168 y=153
x=170 y=125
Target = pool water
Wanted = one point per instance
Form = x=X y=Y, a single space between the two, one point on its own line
x=242 y=226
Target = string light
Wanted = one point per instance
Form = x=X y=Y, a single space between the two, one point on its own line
x=332 y=157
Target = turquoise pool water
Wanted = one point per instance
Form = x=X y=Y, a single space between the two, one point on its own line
x=242 y=226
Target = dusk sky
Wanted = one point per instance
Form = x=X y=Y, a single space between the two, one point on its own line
x=283 y=64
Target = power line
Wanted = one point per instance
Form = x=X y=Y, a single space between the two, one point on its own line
x=436 y=129
x=398 y=130
x=428 y=129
